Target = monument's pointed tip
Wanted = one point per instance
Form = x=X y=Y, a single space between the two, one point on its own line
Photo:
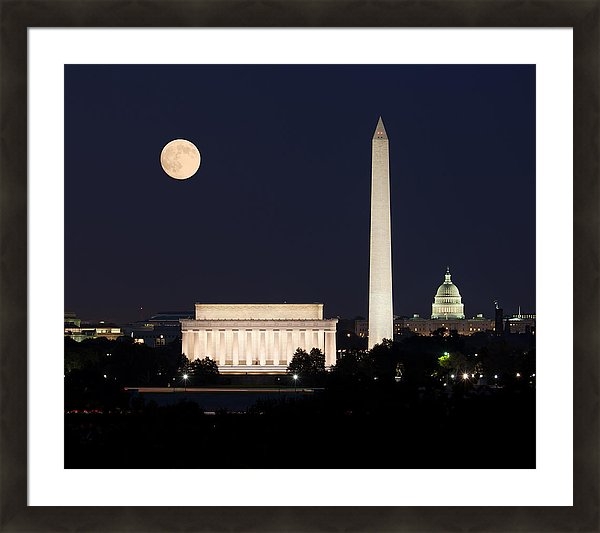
x=380 y=130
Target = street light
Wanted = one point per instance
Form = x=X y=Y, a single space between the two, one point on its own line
x=295 y=382
x=185 y=376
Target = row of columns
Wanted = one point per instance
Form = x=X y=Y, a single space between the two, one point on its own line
x=255 y=346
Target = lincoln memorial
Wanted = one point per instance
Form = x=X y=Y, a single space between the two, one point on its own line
x=257 y=338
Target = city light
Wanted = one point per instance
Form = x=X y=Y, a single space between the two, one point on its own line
x=465 y=376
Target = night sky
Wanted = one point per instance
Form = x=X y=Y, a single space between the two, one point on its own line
x=279 y=209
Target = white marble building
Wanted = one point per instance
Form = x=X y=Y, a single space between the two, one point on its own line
x=447 y=302
x=257 y=338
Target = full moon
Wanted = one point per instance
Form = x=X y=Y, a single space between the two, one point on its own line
x=180 y=159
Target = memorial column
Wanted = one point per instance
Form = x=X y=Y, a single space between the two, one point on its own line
x=235 y=348
x=330 y=348
x=276 y=347
x=248 y=346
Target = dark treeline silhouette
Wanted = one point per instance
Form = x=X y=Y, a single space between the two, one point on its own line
x=97 y=371
x=396 y=406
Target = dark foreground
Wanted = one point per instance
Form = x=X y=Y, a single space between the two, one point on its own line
x=486 y=428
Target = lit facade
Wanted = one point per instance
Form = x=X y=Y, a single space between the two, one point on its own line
x=520 y=324
x=427 y=326
x=80 y=331
x=447 y=302
x=257 y=338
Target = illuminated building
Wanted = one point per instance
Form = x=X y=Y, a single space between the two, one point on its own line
x=429 y=326
x=257 y=338
x=520 y=323
x=79 y=331
x=447 y=302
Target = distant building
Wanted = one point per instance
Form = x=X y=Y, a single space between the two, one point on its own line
x=170 y=318
x=520 y=323
x=427 y=326
x=158 y=330
x=361 y=327
x=79 y=331
x=71 y=320
x=257 y=338
x=416 y=325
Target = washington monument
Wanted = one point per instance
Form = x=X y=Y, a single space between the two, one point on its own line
x=381 y=319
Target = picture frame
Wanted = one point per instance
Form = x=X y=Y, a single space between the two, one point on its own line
x=18 y=16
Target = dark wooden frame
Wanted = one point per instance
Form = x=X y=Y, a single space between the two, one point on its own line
x=17 y=16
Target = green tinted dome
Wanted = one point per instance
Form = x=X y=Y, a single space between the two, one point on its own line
x=447 y=302
x=448 y=289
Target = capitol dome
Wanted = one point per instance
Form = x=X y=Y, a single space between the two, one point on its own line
x=447 y=302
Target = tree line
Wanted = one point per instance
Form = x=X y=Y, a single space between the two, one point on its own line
x=98 y=369
x=436 y=361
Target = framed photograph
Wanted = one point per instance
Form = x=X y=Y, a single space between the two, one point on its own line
x=83 y=75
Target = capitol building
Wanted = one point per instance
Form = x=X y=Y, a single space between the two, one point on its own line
x=448 y=314
x=447 y=302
